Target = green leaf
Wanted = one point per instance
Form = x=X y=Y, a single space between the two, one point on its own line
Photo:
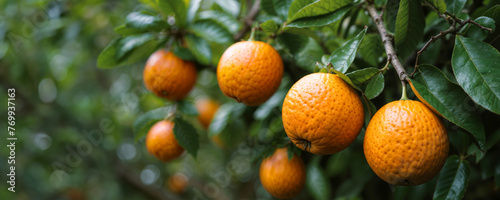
x=390 y=15
x=177 y=8
x=360 y=76
x=276 y=7
x=439 y=5
x=475 y=65
x=183 y=53
x=186 y=135
x=223 y=19
x=124 y=30
x=127 y=44
x=410 y=24
x=187 y=108
x=228 y=137
x=342 y=76
x=372 y=49
x=293 y=42
x=269 y=26
x=269 y=6
x=317 y=183
x=221 y=119
x=450 y=101
x=342 y=57
x=211 y=31
x=375 y=86
x=455 y=6
x=144 y=122
x=369 y=109
x=453 y=179
x=268 y=107
x=194 y=5
x=297 y=5
x=200 y=49
x=230 y=6
x=320 y=7
x=108 y=57
x=321 y=20
x=477 y=33
x=308 y=56
x=143 y=22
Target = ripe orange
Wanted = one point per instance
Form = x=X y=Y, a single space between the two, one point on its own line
x=206 y=110
x=161 y=141
x=405 y=143
x=322 y=114
x=168 y=76
x=281 y=177
x=177 y=183
x=250 y=72
x=422 y=99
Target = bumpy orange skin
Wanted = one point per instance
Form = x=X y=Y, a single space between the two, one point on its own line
x=250 y=72
x=161 y=142
x=206 y=110
x=281 y=177
x=177 y=183
x=405 y=143
x=322 y=114
x=168 y=76
x=423 y=100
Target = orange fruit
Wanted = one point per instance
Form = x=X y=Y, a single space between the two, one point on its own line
x=206 y=110
x=405 y=143
x=281 y=177
x=250 y=72
x=177 y=183
x=322 y=114
x=161 y=142
x=422 y=99
x=168 y=76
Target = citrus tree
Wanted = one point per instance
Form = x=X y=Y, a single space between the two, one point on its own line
x=301 y=99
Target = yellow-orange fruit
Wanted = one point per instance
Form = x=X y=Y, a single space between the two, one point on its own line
x=177 y=183
x=322 y=114
x=281 y=177
x=405 y=143
x=206 y=110
x=250 y=72
x=161 y=142
x=168 y=76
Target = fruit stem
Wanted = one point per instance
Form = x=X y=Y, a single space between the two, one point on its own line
x=403 y=96
x=252 y=35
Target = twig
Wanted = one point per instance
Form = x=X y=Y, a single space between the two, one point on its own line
x=248 y=21
x=452 y=30
x=387 y=40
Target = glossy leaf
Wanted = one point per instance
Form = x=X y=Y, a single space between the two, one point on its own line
x=127 y=44
x=276 y=7
x=360 y=76
x=176 y=8
x=477 y=33
x=124 y=30
x=194 y=5
x=317 y=183
x=390 y=15
x=375 y=86
x=108 y=57
x=308 y=56
x=343 y=57
x=144 y=122
x=200 y=49
x=186 y=135
x=230 y=6
x=439 y=5
x=187 y=108
x=269 y=26
x=143 y=22
x=372 y=49
x=183 y=53
x=296 y=5
x=455 y=6
x=410 y=24
x=453 y=179
x=321 y=20
x=475 y=65
x=211 y=31
x=221 y=119
x=223 y=19
x=320 y=7
x=293 y=42
x=450 y=101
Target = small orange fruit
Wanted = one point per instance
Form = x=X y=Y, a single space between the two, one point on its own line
x=206 y=110
x=405 y=143
x=250 y=72
x=322 y=114
x=281 y=177
x=161 y=141
x=177 y=183
x=422 y=99
x=168 y=76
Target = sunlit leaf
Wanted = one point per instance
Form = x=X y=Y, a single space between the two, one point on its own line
x=343 y=57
